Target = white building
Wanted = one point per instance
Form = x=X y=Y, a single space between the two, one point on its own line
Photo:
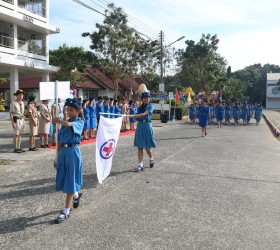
x=272 y=91
x=24 y=30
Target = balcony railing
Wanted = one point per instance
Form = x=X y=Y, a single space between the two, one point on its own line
x=34 y=6
x=31 y=47
x=6 y=41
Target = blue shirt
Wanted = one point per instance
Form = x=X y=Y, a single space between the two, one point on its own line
x=142 y=109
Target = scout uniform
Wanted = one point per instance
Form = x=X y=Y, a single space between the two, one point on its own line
x=17 y=116
x=33 y=122
x=44 y=126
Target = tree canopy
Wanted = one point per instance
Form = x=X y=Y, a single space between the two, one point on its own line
x=120 y=49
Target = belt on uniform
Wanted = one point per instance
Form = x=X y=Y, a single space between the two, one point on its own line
x=69 y=145
x=144 y=121
x=18 y=117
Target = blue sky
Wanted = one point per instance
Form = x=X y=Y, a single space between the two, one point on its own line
x=248 y=29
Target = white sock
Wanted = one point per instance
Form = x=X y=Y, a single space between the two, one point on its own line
x=152 y=159
x=66 y=210
x=76 y=195
x=140 y=164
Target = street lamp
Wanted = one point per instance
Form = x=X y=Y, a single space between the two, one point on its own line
x=161 y=56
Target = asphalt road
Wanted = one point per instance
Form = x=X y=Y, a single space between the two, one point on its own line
x=217 y=192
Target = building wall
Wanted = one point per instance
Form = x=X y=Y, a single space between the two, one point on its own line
x=272 y=95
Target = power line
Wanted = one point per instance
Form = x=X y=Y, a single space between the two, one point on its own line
x=87 y=6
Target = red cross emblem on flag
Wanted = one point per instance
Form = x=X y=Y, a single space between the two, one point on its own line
x=107 y=149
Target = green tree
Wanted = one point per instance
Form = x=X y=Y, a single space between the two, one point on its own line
x=255 y=76
x=69 y=59
x=200 y=65
x=120 y=49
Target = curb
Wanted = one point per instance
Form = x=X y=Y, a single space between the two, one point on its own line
x=272 y=126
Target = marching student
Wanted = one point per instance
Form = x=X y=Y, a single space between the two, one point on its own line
x=204 y=116
x=235 y=113
x=244 y=113
x=144 y=136
x=17 y=119
x=227 y=114
x=68 y=164
x=220 y=114
x=258 y=113
x=191 y=113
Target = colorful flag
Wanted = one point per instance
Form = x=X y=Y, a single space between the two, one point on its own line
x=106 y=143
x=177 y=97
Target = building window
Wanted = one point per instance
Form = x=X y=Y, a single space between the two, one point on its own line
x=90 y=93
x=31 y=43
x=6 y=35
x=35 y=6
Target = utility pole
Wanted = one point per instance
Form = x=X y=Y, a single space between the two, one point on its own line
x=161 y=56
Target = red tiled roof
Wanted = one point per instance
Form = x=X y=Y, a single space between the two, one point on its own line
x=129 y=83
x=89 y=83
x=24 y=83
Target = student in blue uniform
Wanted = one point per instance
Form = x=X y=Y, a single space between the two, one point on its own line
x=68 y=164
x=132 y=111
x=244 y=113
x=144 y=135
x=227 y=114
x=106 y=106
x=220 y=114
x=250 y=112
x=92 y=117
x=235 y=113
x=99 y=108
x=211 y=111
x=117 y=109
x=112 y=108
x=204 y=116
x=191 y=113
x=258 y=113
x=86 y=113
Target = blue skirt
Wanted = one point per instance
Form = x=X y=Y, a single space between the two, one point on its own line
x=92 y=122
x=144 y=135
x=69 y=178
x=87 y=124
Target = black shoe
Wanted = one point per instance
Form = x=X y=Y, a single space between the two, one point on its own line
x=43 y=146
x=152 y=163
x=36 y=148
x=62 y=217
x=22 y=150
x=76 y=202
x=32 y=149
x=47 y=145
x=17 y=150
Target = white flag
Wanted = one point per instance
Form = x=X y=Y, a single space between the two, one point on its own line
x=106 y=143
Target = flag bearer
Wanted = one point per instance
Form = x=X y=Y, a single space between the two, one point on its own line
x=144 y=136
x=68 y=164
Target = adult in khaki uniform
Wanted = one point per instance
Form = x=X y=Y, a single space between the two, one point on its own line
x=33 y=121
x=44 y=123
x=17 y=119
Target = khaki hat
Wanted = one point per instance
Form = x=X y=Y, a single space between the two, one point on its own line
x=19 y=91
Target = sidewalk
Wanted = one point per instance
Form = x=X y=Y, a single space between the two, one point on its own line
x=272 y=118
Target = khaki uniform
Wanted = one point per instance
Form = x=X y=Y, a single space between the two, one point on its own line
x=17 y=108
x=32 y=110
x=44 y=126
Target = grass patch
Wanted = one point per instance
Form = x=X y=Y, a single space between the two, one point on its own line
x=5 y=162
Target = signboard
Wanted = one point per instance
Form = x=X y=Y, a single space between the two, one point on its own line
x=171 y=95
x=47 y=90
x=158 y=106
x=161 y=87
